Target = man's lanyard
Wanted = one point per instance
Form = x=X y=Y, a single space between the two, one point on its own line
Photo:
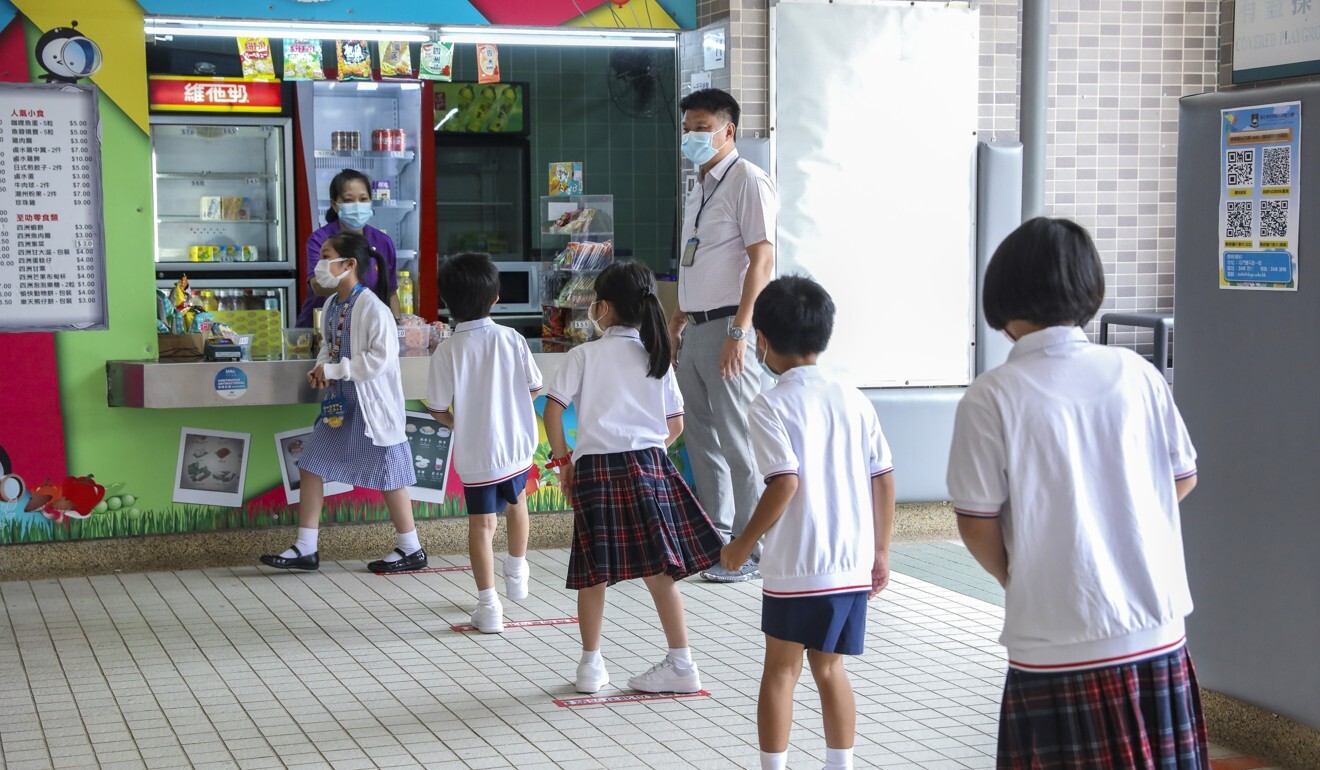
x=696 y=225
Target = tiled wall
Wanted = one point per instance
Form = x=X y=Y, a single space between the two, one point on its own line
x=574 y=118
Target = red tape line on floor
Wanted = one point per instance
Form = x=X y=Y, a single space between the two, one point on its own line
x=421 y=571
x=605 y=700
x=464 y=628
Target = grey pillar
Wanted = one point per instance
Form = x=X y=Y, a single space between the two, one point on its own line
x=1035 y=103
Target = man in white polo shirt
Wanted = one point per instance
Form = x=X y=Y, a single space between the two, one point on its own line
x=727 y=259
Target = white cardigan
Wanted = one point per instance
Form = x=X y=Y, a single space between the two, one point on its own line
x=373 y=365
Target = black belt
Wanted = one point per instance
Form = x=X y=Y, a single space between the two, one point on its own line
x=729 y=311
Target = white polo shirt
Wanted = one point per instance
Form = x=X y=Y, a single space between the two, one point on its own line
x=619 y=408
x=828 y=435
x=1075 y=448
x=487 y=374
x=741 y=208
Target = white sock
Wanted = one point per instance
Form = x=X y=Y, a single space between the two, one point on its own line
x=408 y=543
x=774 y=761
x=838 y=759
x=592 y=657
x=681 y=656
x=515 y=565
x=306 y=543
x=488 y=597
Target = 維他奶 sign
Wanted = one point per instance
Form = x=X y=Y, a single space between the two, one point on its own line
x=172 y=93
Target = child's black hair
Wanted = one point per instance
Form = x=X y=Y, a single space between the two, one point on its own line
x=349 y=245
x=337 y=185
x=1047 y=272
x=630 y=289
x=719 y=103
x=795 y=315
x=469 y=285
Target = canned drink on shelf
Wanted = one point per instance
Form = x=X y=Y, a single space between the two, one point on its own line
x=399 y=139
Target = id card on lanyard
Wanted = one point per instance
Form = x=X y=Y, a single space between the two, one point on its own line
x=333 y=406
x=690 y=249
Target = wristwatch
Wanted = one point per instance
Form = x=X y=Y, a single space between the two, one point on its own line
x=737 y=333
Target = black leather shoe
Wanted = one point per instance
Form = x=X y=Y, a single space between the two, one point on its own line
x=308 y=563
x=406 y=564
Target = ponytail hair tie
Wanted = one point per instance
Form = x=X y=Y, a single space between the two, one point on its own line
x=646 y=292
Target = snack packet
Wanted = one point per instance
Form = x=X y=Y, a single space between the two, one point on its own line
x=302 y=60
x=354 y=59
x=437 y=62
x=488 y=63
x=254 y=52
x=396 y=60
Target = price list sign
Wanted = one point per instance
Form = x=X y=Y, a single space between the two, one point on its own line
x=52 y=249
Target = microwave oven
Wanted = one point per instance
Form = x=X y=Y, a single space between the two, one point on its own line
x=520 y=288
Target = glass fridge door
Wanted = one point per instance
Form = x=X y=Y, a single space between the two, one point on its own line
x=481 y=199
x=221 y=189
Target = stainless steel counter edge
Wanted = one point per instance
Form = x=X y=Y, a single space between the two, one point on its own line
x=155 y=384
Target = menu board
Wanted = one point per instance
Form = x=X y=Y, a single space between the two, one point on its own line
x=52 y=249
x=430 y=443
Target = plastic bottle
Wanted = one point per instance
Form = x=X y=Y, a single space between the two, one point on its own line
x=406 y=304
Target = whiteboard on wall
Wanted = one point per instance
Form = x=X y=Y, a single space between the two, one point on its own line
x=874 y=109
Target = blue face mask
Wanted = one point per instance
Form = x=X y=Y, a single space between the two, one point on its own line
x=699 y=147
x=354 y=216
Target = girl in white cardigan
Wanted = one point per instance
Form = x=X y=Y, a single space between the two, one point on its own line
x=359 y=436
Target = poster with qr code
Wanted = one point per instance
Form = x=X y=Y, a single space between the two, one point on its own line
x=1259 y=198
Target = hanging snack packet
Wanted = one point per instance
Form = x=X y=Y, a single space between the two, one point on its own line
x=488 y=63
x=254 y=52
x=437 y=62
x=302 y=60
x=396 y=60
x=354 y=59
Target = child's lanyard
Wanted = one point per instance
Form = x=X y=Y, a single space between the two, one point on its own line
x=690 y=250
x=333 y=406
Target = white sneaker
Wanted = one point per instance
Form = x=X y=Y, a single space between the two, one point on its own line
x=591 y=677
x=489 y=618
x=665 y=676
x=515 y=586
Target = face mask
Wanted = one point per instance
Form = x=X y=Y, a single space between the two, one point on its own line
x=595 y=322
x=354 y=216
x=324 y=277
x=698 y=146
x=760 y=357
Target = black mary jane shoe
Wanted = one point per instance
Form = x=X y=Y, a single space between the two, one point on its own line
x=407 y=564
x=309 y=563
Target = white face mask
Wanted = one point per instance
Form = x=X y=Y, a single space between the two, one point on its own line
x=761 y=353
x=595 y=322
x=326 y=279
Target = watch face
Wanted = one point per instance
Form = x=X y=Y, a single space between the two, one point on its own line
x=737 y=333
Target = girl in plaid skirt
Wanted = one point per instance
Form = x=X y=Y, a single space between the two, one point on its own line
x=1067 y=468
x=634 y=516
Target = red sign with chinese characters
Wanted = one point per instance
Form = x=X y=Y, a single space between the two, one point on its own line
x=173 y=93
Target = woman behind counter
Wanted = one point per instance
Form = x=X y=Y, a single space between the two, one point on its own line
x=350 y=210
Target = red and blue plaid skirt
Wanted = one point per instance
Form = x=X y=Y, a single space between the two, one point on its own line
x=634 y=517
x=1139 y=716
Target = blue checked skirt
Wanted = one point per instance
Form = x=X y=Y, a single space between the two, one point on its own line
x=634 y=517
x=1138 y=716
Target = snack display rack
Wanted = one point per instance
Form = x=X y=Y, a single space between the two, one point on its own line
x=579 y=231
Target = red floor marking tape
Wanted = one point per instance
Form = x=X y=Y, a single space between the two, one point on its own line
x=605 y=700
x=464 y=628
x=429 y=569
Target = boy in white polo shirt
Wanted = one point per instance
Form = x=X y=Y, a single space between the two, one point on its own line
x=486 y=375
x=827 y=513
x=1067 y=467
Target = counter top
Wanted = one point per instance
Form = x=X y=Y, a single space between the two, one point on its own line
x=166 y=384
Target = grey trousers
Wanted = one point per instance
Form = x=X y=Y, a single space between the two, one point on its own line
x=715 y=427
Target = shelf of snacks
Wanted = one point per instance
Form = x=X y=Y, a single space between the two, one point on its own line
x=569 y=286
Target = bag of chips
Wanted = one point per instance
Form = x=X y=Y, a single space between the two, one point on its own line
x=354 y=59
x=437 y=62
x=254 y=52
x=302 y=60
x=396 y=60
x=488 y=63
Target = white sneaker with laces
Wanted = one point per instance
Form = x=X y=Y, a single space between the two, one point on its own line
x=666 y=676
x=489 y=618
x=591 y=677
x=515 y=586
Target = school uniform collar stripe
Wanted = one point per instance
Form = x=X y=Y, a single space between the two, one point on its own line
x=623 y=331
x=480 y=323
x=804 y=372
x=1046 y=338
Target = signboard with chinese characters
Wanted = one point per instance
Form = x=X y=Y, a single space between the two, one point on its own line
x=172 y=93
x=52 y=246
x=1259 y=196
x=1275 y=39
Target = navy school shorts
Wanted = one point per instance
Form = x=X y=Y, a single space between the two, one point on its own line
x=832 y=623
x=492 y=498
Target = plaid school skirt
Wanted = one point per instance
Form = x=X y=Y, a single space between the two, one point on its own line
x=1139 y=716
x=634 y=517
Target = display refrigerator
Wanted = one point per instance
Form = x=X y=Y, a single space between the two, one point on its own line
x=374 y=127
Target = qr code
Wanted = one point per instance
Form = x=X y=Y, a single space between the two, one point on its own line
x=1276 y=166
x=1242 y=168
x=1274 y=219
x=1239 y=220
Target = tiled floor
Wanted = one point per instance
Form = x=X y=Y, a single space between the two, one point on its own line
x=244 y=669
